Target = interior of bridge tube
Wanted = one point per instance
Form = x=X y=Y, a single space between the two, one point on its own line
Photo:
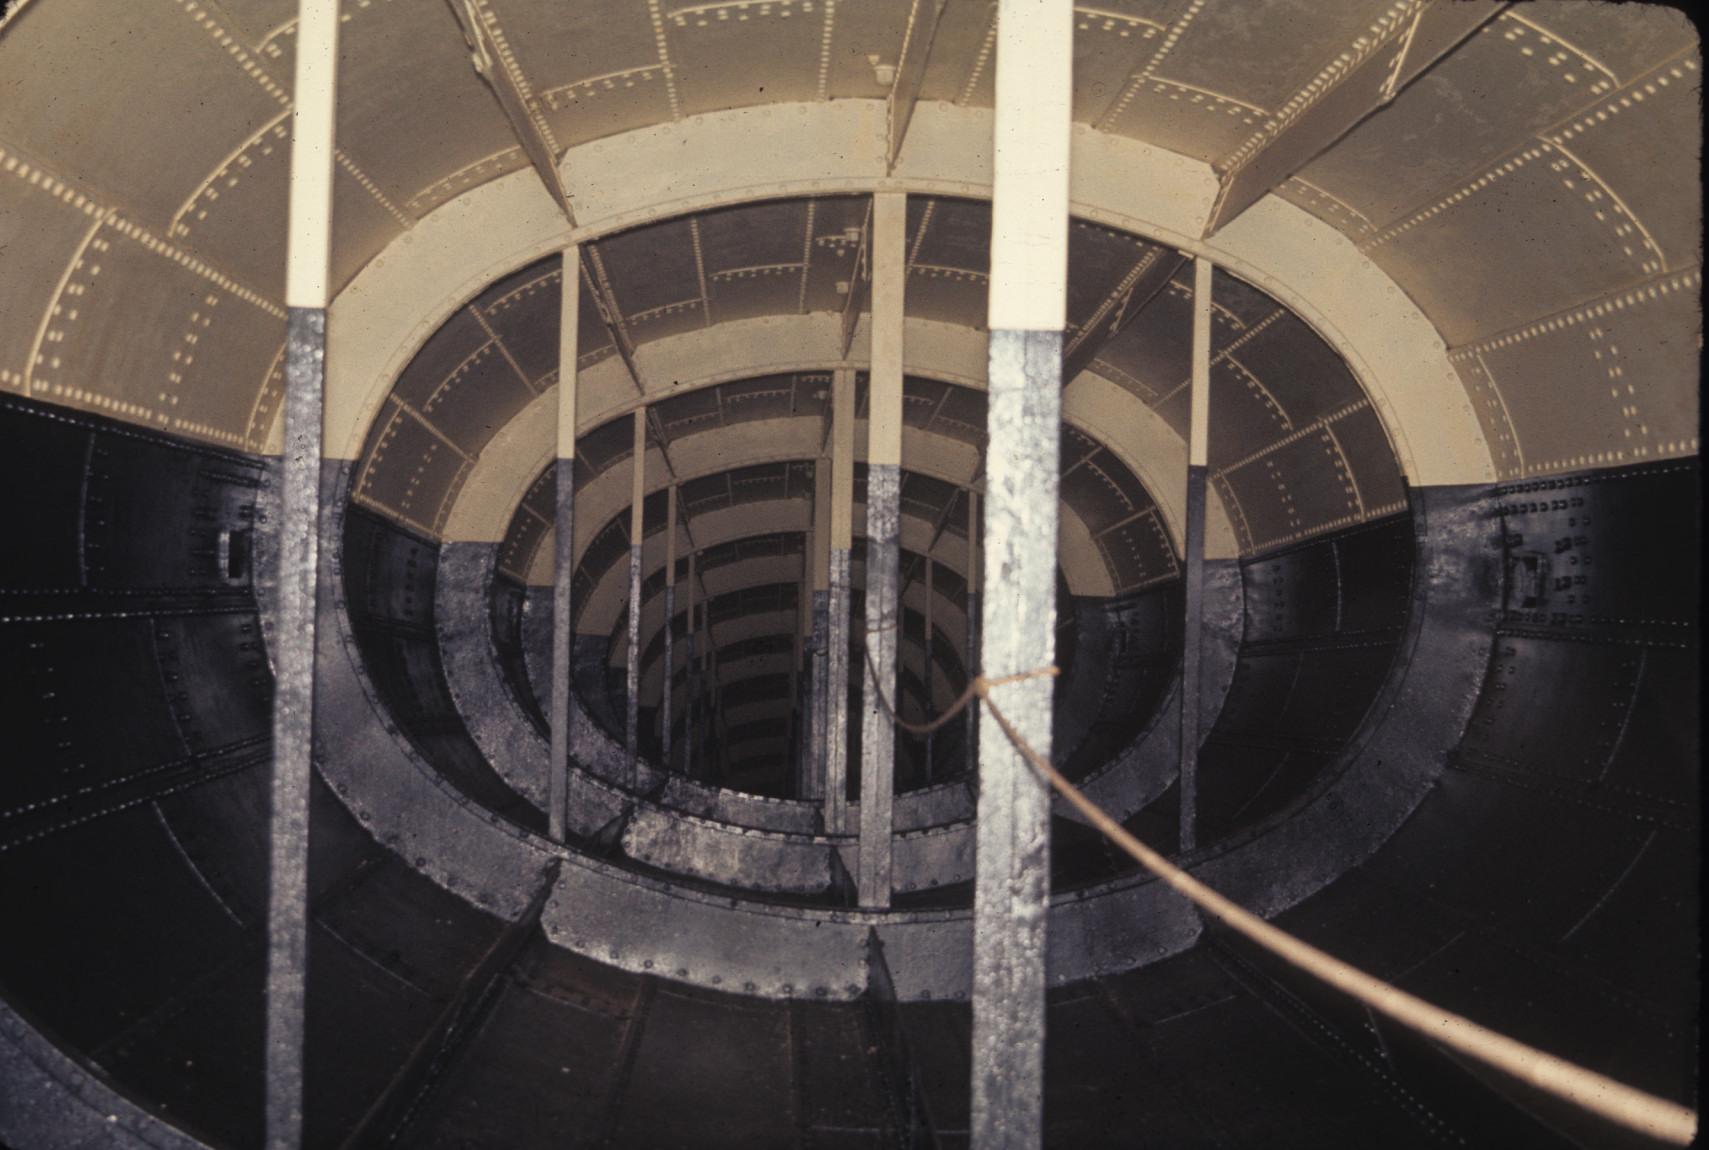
x=1448 y=699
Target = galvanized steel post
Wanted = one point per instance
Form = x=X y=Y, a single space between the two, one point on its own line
x=974 y=567
x=691 y=677
x=820 y=564
x=837 y=603
x=883 y=547
x=307 y=292
x=563 y=548
x=926 y=665
x=665 y=710
x=1028 y=294
x=1193 y=575
x=637 y=528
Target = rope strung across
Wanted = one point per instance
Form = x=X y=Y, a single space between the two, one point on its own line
x=1586 y=1089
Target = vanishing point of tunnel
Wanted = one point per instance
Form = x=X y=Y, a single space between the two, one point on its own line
x=494 y=492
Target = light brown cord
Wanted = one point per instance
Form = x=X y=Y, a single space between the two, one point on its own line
x=1615 y=1101
x=977 y=685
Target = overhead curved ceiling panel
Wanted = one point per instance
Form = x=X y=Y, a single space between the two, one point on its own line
x=1284 y=401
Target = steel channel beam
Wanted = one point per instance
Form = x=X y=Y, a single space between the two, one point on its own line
x=923 y=20
x=307 y=292
x=457 y=1022
x=502 y=75
x=1193 y=566
x=1027 y=315
x=883 y=549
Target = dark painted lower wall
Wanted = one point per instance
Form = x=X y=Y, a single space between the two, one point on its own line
x=135 y=690
x=1545 y=886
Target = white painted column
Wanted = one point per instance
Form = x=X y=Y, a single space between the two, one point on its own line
x=883 y=548
x=1028 y=307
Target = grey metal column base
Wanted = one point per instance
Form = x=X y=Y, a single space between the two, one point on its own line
x=1192 y=645
x=1012 y=886
x=632 y=672
x=878 y=729
x=820 y=698
x=563 y=639
x=837 y=695
x=298 y=550
x=665 y=709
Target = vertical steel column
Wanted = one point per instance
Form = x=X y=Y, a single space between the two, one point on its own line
x=1029 y=264
x=798 y=724
x=975 y=565
x=670 y=624
x=637 y=528
x=691 y=679
x=883 y=547
x=564 y=545
x=820 y=563
x=1198 y=452
x=837 y=603
x=307 y=293
x=926 y=672
x=718 y=766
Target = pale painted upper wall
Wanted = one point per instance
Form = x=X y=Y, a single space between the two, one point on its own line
x=1535 y=194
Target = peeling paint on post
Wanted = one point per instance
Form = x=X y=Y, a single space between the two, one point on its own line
x=1193 y=573
x=883 y=548
x=307 y=265
x=837 y=603
x=1027 y=312
x=637 y=528
x=563 y=548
